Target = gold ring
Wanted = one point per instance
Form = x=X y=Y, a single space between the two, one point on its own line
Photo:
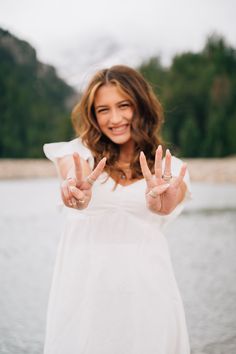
x=81 y=201
x=90 y=180
x=167 y=178
x=153 y=193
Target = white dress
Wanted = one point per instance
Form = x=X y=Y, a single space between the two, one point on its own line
x=114 y=289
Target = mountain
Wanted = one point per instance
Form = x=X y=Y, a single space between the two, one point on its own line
x=35 y=103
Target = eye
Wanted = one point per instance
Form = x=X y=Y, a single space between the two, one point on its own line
x=124 y=105
x=102 y=110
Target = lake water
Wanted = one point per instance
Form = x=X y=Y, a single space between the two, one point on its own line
x=202 y=244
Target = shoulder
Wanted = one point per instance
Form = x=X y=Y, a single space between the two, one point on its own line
x=53 y=151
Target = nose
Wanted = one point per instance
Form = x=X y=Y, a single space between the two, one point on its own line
x=115 y=117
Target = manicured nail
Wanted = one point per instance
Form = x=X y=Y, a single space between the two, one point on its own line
x=168 y=152
x=72 y=189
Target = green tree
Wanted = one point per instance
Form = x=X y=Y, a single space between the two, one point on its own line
x=33 y=101
x=189 y=138
x=198 y=92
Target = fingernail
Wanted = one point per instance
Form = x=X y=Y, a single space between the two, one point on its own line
x=141 y=153
x=72 y=189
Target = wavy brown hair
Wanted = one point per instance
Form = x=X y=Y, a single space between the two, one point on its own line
x=145 y=124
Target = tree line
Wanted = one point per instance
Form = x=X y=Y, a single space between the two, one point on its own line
x=34 y=102
x=197 y=92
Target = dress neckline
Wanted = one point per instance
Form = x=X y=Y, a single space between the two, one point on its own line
x=127 y=185
x=107 y=177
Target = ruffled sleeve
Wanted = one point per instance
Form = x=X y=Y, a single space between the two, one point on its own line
x=175 y=168
x=53 y=151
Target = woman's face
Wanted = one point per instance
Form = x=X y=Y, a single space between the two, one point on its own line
x=114 y=113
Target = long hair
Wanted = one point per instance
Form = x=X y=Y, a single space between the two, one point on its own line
x=145 y=125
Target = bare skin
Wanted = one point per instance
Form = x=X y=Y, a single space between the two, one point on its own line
x=164 y=197
x=114 y=112
x=76 y=191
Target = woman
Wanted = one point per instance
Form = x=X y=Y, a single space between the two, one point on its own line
x=114 y=289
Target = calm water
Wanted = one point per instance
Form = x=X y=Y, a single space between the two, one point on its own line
x=202 y=244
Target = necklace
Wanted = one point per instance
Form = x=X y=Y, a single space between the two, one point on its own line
x=123 y=174
x=125 y=168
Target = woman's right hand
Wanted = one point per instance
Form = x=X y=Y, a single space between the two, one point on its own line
x=76 y=191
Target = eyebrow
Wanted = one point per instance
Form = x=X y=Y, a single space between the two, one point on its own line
x=96 y=107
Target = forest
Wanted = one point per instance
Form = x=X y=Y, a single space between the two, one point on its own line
x=197 y=91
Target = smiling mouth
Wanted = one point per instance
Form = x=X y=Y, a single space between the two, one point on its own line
x=119 y=130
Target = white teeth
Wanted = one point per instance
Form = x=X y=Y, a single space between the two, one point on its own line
x=119 y=129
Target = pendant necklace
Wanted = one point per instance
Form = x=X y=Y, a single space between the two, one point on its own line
x=123 y=175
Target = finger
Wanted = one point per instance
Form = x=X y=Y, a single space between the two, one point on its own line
x=167 y=169
x=181 y=175
x=74 y=202
x=145 y=170
x=66 y=184
x=97 y=171
x=158 y=162
x=65 y=191
x=78 y=167
x=65 y=196
x=158 y=190
x=77 y=193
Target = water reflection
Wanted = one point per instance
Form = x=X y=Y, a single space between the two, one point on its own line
x=202 y=243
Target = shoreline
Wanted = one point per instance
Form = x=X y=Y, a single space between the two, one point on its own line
x=217 y=170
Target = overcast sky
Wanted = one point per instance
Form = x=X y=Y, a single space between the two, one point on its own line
x=79 y=37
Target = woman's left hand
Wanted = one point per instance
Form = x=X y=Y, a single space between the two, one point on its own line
x=164 y=192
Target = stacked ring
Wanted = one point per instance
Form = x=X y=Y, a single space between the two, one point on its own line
x=90 y=180
x=167 y=178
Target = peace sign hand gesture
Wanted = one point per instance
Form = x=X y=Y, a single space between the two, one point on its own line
x=76 y=191
x=163 y=192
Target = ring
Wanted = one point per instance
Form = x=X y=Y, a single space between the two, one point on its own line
x=153 y=193
x=81 y=201
x=167 y=178
x=90 y=180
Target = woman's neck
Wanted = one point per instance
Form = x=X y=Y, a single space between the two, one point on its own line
x=126 y=152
